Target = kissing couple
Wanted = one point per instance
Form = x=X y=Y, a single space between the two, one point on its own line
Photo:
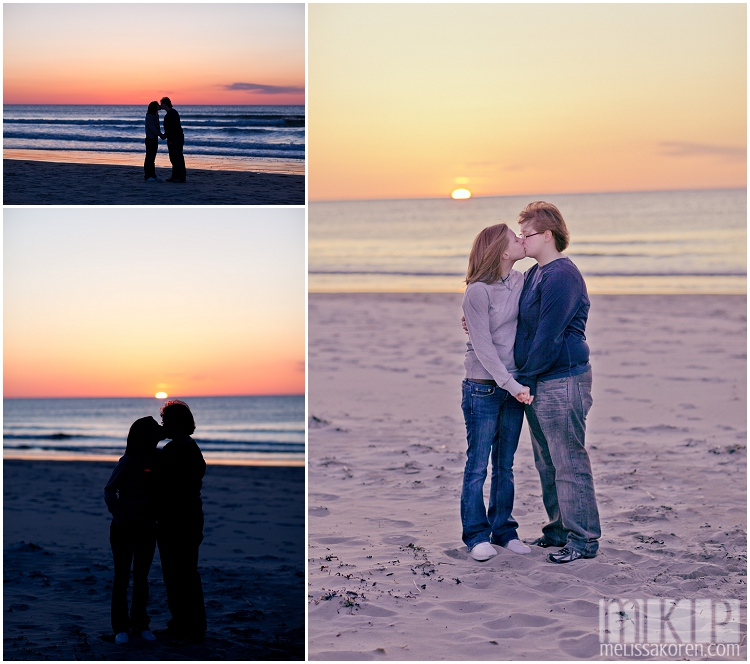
x=174 y=136
x=154 y=496
x=527 y=353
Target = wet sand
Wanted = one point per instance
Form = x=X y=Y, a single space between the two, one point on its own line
x=58 y=566
x=50 y=183
x=390 y=579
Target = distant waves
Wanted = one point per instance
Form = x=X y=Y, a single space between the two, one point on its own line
x=228 y=427
x=268 y=132
x=636 y=242
x=609 y=273
x=64 y=442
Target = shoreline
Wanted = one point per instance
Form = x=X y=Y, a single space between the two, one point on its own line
x=208 y=162
x=323 y=285
x=28 y=182
x=112 y=458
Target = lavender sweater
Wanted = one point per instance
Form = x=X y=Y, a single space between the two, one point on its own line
x=491 y=312
x=152 y=126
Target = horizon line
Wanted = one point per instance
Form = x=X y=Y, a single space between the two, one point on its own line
x=565 y=193
x=192 y=396
x=140 y=103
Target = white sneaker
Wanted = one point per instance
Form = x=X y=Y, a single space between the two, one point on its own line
x=121 y=638
x=146 y=635
x=482 y=551
x=517 y=546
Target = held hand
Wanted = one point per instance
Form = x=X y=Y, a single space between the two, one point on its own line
x=524 y=396
x=463 y=324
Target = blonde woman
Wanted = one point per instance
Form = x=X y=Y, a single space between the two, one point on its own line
x=492 y=401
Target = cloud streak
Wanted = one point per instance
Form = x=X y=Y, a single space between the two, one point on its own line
x=683 y=149
x=266 y=89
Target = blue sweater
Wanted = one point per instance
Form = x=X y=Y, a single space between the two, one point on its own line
x=550 y=337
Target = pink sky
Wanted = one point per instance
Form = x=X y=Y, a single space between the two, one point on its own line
x=118 y=53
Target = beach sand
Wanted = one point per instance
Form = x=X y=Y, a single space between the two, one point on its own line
x=58 y=566
x=50 y=183
x=389 y=577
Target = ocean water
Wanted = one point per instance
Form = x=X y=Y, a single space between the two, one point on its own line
x=227 y=428
x=637 y=242
x=238 y=132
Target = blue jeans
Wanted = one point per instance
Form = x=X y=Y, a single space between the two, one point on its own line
x=493 y=424
x=557 y=422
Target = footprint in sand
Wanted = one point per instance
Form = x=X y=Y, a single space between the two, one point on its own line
x=382 y=522
x=322 y=497
x=582 y=648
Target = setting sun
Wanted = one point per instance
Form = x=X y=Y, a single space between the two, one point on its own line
x=160 y=395
x=460 y=194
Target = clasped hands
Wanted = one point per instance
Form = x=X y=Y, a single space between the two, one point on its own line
x=524 y=396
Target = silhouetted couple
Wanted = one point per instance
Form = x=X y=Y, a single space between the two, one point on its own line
x=172 y=134
x=155 y=497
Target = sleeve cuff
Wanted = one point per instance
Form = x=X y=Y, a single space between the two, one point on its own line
x=530 y=382
x=512 y=386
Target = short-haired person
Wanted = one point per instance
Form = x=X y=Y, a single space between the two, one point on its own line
x=492 y=400
x=179 y=517
x=175 y=141
x=553 y=360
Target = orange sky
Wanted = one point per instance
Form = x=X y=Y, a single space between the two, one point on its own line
x=134 y=53
x=524 y=98
x=128 y=302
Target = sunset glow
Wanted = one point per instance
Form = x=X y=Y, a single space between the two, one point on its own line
x=460 y=194
x=161 y=395
x=524 y=98
x=133 y=53
x=131 y=302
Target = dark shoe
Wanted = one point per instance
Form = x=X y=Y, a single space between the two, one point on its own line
x=170 y=180
x=566 y=555
x=542 y=542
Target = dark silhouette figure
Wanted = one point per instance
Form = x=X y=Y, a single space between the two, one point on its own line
x=175 y=141
x=180 y=474
x=129 y=495
x=153 y=134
